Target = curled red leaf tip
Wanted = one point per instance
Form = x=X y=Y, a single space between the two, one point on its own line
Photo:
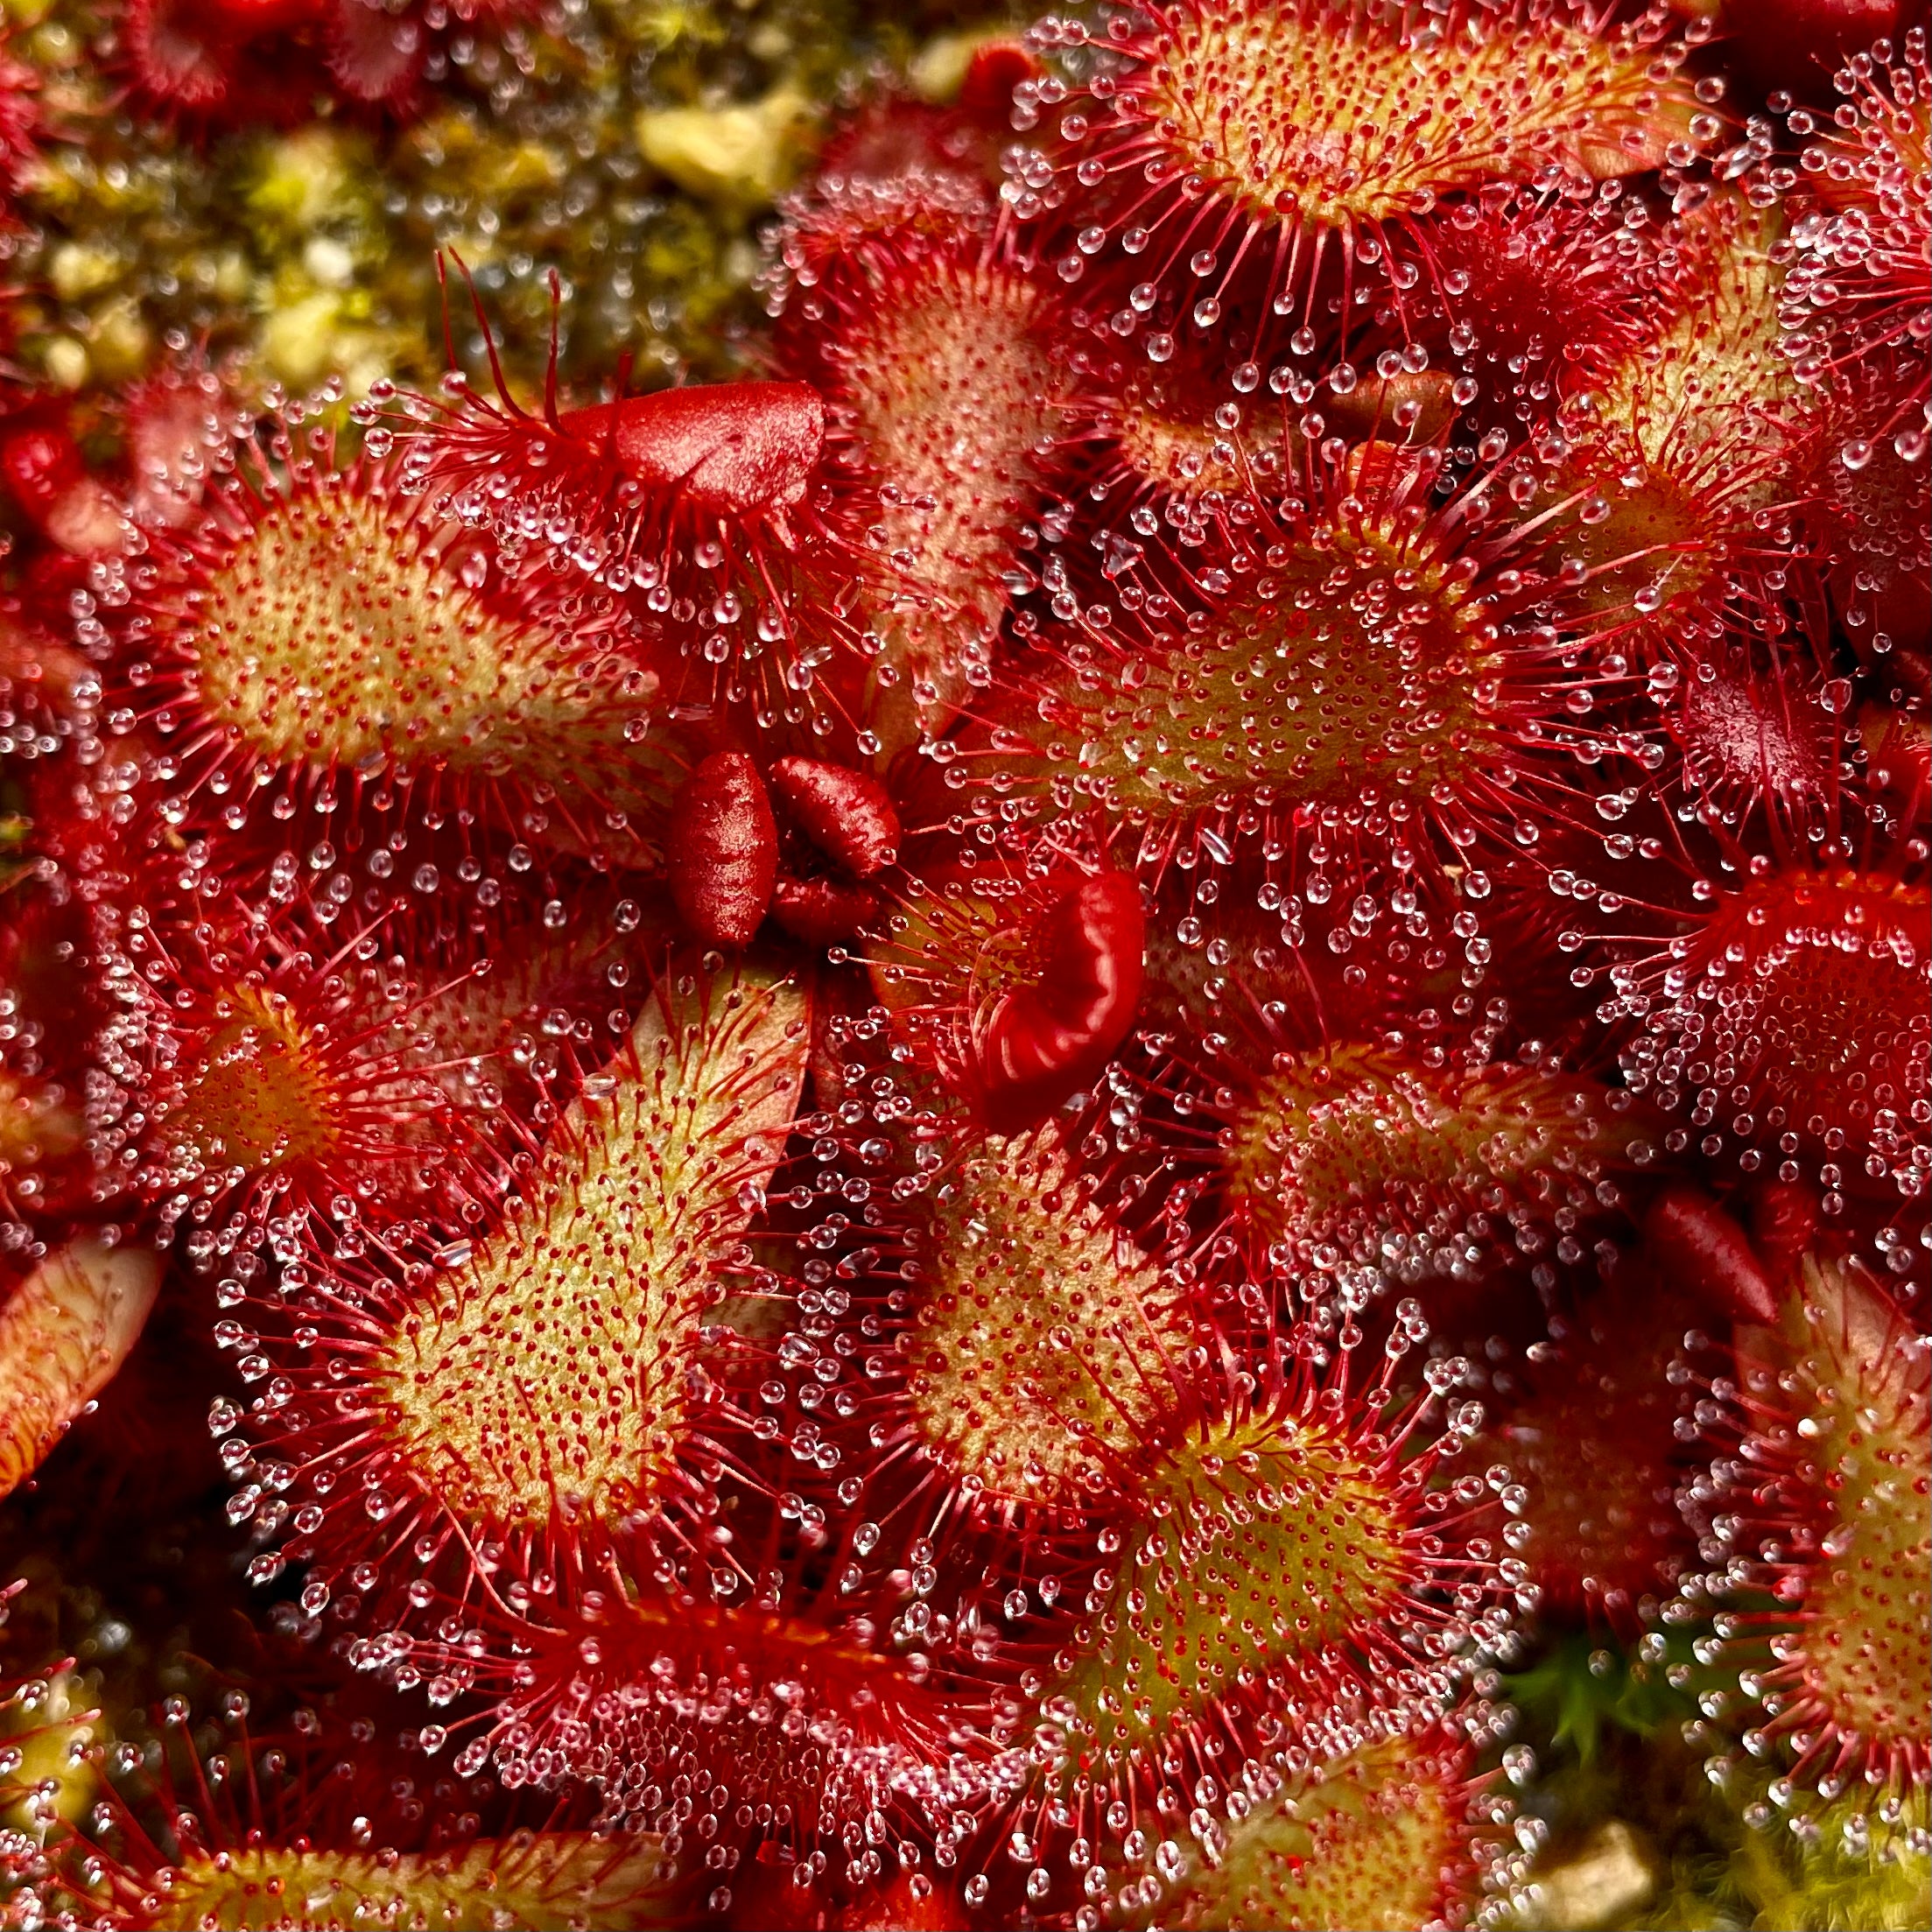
x=1047 y=1039
x=846 y=814
x=1701 y=1250
x=723 y=849
x=727 y=450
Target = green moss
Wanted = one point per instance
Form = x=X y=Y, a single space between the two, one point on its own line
x=1582 y=1689
x=1757 y=1873
x=315 y=249
x=1618 y=1741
